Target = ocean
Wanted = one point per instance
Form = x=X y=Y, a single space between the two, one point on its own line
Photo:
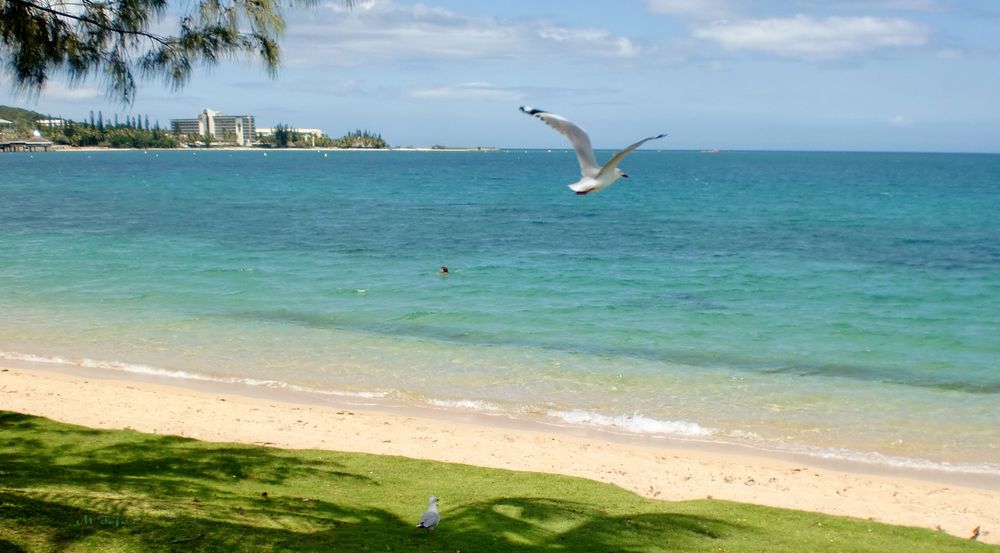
x=841 y=305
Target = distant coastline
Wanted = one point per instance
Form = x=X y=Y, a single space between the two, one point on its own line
x=64 y=148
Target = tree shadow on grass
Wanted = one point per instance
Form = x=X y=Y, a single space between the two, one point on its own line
x=49 y=524
x=157 y=466
x=10 y=547
x=335 y=528
x=543 y=524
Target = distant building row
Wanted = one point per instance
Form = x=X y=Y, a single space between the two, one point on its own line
x=238 y=128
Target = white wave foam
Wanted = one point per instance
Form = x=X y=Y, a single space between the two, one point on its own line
x=184 y=375
x=470 y=404
x=635 y=423
x=106 y=365
x=876 y=458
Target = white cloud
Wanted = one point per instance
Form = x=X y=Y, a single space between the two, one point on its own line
x=476 y=90
x=467 y=90
x=904 y=5
x=384 y=30
x=597 y=41
x=696 y=9
x=372 y=31
x=58 y=90
x=320 y=87
x=54 y=89
x=807 y=38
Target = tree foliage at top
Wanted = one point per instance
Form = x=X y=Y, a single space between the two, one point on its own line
x=116 y=40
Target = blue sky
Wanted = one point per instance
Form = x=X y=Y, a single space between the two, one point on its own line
x=896 y=75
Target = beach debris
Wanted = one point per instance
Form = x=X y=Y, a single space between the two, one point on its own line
x=975 y=533
x=264 y=495
x=431 y=517
x=593 y=177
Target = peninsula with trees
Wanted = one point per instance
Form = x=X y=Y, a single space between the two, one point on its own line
x=137 y=131
x=211 y=129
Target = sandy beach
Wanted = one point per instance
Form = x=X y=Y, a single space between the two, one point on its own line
x=666 y=471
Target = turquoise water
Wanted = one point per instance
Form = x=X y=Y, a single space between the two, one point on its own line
x=839 y=304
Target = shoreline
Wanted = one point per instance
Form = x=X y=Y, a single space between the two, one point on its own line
x=672 y=470
x=619 y=427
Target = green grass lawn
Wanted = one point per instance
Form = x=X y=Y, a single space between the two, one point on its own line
x=68 y=488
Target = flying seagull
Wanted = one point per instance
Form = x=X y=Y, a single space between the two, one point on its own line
x=430 y=518
x=594 y=177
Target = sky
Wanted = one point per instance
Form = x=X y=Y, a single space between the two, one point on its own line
x=873 y=75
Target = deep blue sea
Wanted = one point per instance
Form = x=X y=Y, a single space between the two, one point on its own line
x=838 y=304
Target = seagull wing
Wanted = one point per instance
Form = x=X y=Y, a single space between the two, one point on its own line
x=430 y=519
x=577 y=136
x=617 y=158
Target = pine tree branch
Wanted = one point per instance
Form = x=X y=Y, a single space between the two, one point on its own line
x=83 y=19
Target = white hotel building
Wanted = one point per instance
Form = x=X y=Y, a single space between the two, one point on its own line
x=217 y=125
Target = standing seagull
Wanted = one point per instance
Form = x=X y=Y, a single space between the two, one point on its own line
x=430 y=518
x=594 y=177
